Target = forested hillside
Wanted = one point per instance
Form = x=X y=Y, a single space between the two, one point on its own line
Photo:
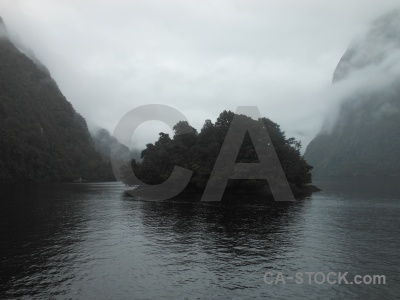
x=42 y=137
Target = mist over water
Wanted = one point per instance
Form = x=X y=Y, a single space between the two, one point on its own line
x=198 y=58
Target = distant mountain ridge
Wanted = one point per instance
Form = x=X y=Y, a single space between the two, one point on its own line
x=42 y=137
x=365 y=138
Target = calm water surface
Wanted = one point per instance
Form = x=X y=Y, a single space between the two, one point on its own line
x=89 y=241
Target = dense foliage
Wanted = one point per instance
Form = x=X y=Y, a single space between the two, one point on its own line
x=198 y=152
x=42 y=137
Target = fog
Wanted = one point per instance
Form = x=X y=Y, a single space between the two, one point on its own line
x=370 y=69
x=201 y=57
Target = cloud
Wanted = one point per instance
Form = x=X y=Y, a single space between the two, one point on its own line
x=369 y=71
x=200 y=57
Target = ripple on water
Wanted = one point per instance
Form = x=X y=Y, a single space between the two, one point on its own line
x=87 y=241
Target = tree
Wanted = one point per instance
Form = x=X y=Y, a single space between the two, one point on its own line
x=199 y=151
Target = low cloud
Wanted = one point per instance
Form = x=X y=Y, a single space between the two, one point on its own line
x=198 y=57
x=370 y=70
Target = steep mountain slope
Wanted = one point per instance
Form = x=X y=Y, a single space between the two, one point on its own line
x=365 y=138
x=42 y=137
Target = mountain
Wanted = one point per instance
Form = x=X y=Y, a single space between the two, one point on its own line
x=365 y=138
x=105 y=143
x=42 y=137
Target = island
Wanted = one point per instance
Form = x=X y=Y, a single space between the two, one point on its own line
x=198 y=152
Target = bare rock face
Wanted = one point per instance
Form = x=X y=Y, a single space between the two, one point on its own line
x=364 y=140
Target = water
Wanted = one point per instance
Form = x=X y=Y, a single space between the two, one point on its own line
x=89 y=241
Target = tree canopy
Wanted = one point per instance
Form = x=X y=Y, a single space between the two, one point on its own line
x=199 y=151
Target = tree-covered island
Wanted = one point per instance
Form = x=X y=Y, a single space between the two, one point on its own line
x=198 y=151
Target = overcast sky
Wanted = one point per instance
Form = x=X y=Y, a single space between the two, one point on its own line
x=200 y=57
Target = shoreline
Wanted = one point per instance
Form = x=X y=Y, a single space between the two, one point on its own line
x=195 y=195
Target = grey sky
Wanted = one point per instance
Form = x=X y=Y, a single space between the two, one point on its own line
x=200 y=57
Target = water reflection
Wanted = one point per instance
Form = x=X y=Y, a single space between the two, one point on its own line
x=227 y=247
x=89 y=241
x=37 y=236
x=234 y=230
x=361 y=188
